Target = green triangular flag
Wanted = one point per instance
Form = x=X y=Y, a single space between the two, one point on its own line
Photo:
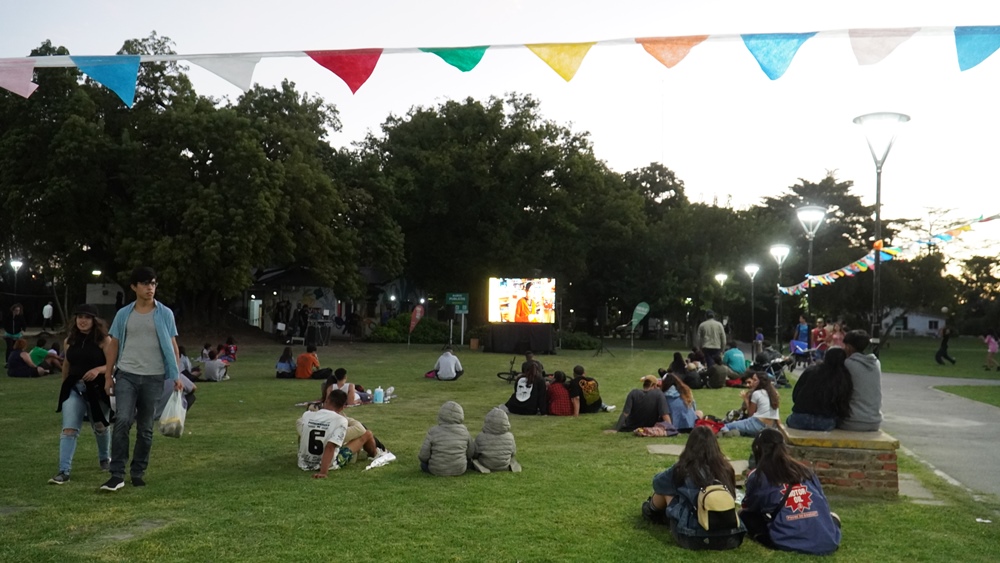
x=462 y=58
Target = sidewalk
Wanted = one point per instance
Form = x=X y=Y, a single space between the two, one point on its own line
x=955 y=434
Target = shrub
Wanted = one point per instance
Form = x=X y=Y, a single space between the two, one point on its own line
x=578 y=341
x=427 y=331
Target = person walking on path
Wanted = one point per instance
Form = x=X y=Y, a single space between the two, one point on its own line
x=144 y=350
x=47 y=317
x=942 y=353
x=711 y=337
x=992 y=347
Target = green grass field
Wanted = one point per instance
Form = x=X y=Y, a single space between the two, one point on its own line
x=229 y=490
x=988 y=395
x=916 y=356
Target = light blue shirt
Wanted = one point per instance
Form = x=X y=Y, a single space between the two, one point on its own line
x=735 y=359
x=166 y=329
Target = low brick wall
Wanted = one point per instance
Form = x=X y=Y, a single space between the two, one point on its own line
x=857 y=463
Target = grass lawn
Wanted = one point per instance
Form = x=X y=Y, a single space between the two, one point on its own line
x=916 y=356
x=988 y=395
x=229 y=490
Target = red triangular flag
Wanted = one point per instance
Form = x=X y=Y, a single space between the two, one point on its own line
x=353 y=66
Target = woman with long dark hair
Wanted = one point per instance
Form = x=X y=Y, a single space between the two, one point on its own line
x=285 y=368
x=785 y=507
x=529 y=396
x=761 y=404
x=675 y=494
x=82 y=390
x=822 y=394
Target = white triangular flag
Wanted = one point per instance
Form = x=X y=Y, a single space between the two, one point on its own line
x=872 y=45
x=235 y=69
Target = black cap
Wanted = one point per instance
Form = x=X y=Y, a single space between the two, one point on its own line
x=86 y=309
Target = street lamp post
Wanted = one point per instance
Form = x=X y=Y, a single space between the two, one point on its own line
x=16 y=264
x=811 y=217
x=780 y=252
x=880 y=131
x=751 y=270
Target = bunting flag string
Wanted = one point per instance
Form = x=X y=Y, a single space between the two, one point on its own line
x=772 y=51
x=887 y=254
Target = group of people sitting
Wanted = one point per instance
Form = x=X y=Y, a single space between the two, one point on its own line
x=535 y=392
x=36 y=362
x=783 y=508
x=448 y=449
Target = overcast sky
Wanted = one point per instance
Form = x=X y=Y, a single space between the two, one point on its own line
x=731 y=134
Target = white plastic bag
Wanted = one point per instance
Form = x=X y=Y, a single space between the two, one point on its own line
x=172 y=419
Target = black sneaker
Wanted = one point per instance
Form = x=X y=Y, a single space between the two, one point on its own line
x=60 y=479
x=105 y=464
x=113 y=484
x=138 y=482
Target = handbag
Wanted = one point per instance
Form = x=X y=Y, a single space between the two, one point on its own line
x=172 y=419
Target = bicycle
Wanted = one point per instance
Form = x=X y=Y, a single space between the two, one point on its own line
x=511 y=374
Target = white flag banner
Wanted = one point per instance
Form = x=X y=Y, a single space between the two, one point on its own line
x=235 y=69
x=872 y=45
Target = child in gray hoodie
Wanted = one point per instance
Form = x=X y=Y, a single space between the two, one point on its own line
x=448 y=446
x=495 y=446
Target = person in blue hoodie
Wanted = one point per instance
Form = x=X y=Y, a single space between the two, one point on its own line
x=784 y=507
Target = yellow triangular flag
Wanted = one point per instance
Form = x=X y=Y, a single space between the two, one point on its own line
x=564 y=58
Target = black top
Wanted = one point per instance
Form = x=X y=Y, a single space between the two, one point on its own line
x=642 y=409
x=528 y=397
x=83 y=357
x=586 y=389
x=14 y=324
x=814 y=393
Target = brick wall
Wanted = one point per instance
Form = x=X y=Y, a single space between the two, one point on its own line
x=854 y=471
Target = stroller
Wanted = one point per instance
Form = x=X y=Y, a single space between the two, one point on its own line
x=773 y=364
x=801 y=352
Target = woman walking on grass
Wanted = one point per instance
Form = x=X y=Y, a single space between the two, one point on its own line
x=992 y=346
x=82 y=390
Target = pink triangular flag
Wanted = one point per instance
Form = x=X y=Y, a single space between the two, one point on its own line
x=16 y=75
x=235 y=69
x=872 y=45
x=353 y=67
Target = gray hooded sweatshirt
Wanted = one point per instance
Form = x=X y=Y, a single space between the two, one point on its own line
x=495 y=445
x=866 y=399
x=448 y=446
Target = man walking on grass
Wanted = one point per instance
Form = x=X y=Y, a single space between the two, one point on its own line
x=144 y=349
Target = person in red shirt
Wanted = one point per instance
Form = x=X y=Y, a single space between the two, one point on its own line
x=819 y=339
x=558 y=396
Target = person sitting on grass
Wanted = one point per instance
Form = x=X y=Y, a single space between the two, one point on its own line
x=557 y=396
x=495 y=446
x=229 y=351
x=339 y=381
x=529 y=396
x=784 y=507
x=644 y=407
x=19 y=362
x=307 y=365
x=529 y=358
x=585 y=394
x=676 y=490
x=683 y=410
x=41 y=358
x=204 y=352
x=760 y=401
x=185 y=366
x=822 y=394
x=215 y=369
x=285 y=368
x=448 y=446
x=734 y=359
x=447 y=367
x=323 y=444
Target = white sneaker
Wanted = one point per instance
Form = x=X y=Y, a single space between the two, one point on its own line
x=389 y=392
x=383 y=458
x=608 y=408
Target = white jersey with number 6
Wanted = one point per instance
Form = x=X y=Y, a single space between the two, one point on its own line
x=316 y=429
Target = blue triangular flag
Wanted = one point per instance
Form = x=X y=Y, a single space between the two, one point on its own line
x=117 y=73
x=774 y=51
x=975 y=43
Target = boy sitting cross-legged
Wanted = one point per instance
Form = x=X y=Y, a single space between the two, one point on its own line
x=323 y=441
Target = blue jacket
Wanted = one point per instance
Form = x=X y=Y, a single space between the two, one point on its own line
x=803 y=524
x=681 y=415
x=682 y=507
x=166 y=329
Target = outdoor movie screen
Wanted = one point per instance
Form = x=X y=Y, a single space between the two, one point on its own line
x=522 y=300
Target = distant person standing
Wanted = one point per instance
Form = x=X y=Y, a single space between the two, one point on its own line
x=47 y=317
x=144 y=349
x=13 y=327
x=801 y=330
x=711 y=337
x=942 y=353
x=992 y=347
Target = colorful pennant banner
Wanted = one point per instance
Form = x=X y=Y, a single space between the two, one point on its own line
x=774 y=53
x=887 y=254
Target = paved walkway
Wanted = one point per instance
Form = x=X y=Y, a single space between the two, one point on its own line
x=956 y=435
